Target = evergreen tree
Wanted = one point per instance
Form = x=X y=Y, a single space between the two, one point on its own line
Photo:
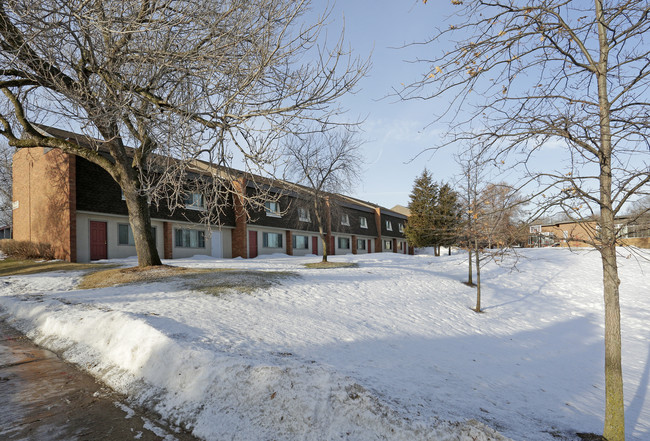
x=420 y=230
x=448 y=216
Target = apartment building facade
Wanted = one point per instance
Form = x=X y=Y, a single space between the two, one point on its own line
x=76 y=206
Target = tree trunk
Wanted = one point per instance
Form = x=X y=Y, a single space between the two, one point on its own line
x=140 y=221
x=614 y=429
x=325 y=240
x=614 y=405
x=469 y=276
x=328 y=219
x=478 y=277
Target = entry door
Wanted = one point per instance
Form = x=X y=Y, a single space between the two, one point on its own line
x=314 y=245
x=217 y=250
x=332 y=247
x=370 y=245
x=252 y=244
x=98 y=246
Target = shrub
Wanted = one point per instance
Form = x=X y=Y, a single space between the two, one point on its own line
x=23 y=249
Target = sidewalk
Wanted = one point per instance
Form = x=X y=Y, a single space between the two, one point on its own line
x=44 y=398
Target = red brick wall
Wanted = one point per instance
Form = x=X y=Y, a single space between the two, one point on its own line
x=289 y=243
x=239 y=233
x=378 y=245
x=354 y=244
x=168 y=244
x=45 y=190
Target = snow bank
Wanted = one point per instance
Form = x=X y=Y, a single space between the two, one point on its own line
x=217 y=395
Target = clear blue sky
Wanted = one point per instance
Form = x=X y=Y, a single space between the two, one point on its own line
x=395 y=131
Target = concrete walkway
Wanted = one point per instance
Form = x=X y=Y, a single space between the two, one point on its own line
x=44 y=398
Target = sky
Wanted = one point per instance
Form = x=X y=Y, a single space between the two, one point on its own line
x=394 y=131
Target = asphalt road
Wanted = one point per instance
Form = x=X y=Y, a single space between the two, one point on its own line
x=45 y=398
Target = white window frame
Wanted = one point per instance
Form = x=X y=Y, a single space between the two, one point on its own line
x=265 y=240
x=345 y=219
x=200 y=237
x=272 y=208
x=295 y=242
x=400 y=227
x=363 y=222
x=388 y=244
x=389 y=225
x=198 y=201
x=303 y=215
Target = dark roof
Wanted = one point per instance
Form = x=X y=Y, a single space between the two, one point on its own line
x=285 y=187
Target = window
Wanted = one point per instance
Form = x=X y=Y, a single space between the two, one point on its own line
x=272 y=240
x=363 y=222
x=190 y=238
x=300 y=242
x=344 y=243
x=389 y=225
x=400 y=245
x=535 y=229
x=125 y=234
x=303 y=215
x=272 y=208
x=345 y=220
x=400 y=227
x=194 y=201
x=361 y=244
x=388 y=245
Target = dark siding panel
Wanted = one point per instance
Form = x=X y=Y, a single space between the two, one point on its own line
x=355 y=222
x=289 y=219
x=395 y=221
x=98 y=192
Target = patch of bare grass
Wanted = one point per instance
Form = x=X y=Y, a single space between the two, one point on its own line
x=213 y=281
x=327 y=265
x=11 y=267
x=137 y=274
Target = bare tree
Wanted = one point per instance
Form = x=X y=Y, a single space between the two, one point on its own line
x=325 y=163
x=523 y=75
x=489 y=227
x=180 y=79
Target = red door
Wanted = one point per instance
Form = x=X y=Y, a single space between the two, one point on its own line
x=314 y=245
x=370 y=245
x=252 y=244
x=332 y=250
x=98 y=248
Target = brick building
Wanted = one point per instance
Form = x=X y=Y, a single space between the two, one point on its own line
x=76 y=206
x=630 y=231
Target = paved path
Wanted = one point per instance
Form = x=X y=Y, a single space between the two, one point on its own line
x=44 y=398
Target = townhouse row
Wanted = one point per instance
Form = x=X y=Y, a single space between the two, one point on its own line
x=76 y=206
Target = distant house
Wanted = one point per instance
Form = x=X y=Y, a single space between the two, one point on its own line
x=630 y=231
x=79 y=209
x=401 y=210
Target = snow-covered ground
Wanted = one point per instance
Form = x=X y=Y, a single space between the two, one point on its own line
x=387 y=350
